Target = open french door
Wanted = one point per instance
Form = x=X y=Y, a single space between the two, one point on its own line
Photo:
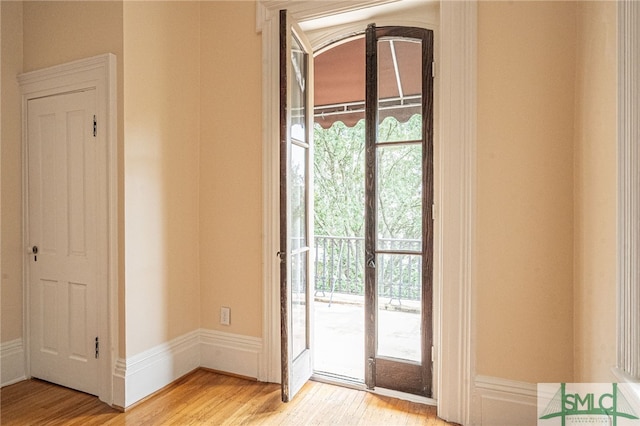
x=296 y=219
x=390 y=157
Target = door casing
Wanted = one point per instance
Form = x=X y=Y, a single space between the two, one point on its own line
x=97 y=73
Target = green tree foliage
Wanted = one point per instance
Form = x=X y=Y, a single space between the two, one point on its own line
x=339 y=168
x=339 y=180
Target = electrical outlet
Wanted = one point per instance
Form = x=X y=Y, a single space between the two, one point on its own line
x=225 y=315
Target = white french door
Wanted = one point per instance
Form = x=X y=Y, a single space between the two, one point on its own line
x=65 y=239
x=296 y=221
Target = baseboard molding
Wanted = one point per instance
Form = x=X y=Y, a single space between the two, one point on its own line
x=499 y=401
x=12 y=368
x=630 y=385
x=230 y=353
x=143 y=374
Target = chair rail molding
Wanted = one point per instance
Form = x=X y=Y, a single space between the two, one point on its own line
x=455 y=188
x=628 y=362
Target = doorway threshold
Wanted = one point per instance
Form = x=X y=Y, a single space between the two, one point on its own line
x=338 y=380
x=345 y=382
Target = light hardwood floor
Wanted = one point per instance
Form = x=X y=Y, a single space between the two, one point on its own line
x=207 y=398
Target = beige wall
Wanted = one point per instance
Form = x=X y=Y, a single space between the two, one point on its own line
x=61 y=31
x=230 y=164
x=159 y=180
x=189 y=106
x=11 y=191
x=58 y=32
x=524 y=241
x=162 y=139
x=595 y=193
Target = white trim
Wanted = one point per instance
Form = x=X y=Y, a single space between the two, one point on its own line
x=231 y=353
x=98 y=72
x=504 y=402
x=631 y=385
x=144 y=360
x=455 y=191
x=270 y=361
x=628 y=249
x=153 y=369
x=506 y=386
x=458 y=69
x=119 y=383
x=145 y=373
x=309 y=10
x=12 y=362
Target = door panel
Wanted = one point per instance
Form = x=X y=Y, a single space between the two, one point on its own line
x=296 y=229
x=63 y=272
x=399 y=226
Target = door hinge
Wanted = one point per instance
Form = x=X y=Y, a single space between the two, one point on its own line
x=433 y=353
x=95 y=126
x=433 y=69
x=433 y=212
x=97 y=348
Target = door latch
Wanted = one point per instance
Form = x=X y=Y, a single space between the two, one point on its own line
x=371 y=262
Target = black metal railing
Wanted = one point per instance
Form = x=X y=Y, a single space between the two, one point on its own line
x=339 y=268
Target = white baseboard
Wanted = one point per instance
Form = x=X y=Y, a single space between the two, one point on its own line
x=630 y=384
x=499 y=402
x=231 y=353
x=143 y=374
x=12 y=368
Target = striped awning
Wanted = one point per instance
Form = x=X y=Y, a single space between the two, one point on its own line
x=339 y=81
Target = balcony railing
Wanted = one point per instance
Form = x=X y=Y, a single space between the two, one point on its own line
x=339 y=268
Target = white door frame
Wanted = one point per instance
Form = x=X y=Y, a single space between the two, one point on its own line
x=455 y=167
x=98 y=73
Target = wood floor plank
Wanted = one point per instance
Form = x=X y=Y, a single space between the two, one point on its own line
x=208 y=398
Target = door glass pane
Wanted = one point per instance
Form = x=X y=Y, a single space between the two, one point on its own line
x=298 y=195
x=399 y=306
x=399 y=90
x=299 y=302
x=298 y=200
x=399 y=181
x=298 y=91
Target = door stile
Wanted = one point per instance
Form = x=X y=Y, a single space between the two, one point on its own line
x=427 y=212
x=371 y=127
x=285 y=258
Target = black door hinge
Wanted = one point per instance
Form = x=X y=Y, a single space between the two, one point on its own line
x=95 y=126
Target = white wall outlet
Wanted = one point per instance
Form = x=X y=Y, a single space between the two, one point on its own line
x=225 y=315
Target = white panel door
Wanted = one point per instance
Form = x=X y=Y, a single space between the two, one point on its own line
x=64 y=273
